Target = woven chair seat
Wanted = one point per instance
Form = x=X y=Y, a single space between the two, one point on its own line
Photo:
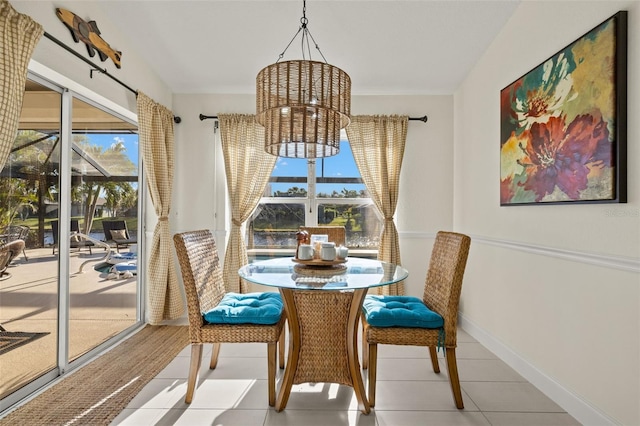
x=240 y=333
x=404 y=336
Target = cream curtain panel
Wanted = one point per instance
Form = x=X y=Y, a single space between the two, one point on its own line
x=378 y=144
x=155 y=129
x=19 y=35
x=248 y=168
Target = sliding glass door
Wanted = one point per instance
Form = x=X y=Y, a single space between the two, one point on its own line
x=103 y=169
x=72 y=185
x=29 y=283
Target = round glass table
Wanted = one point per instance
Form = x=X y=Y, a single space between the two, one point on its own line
x=322 y=302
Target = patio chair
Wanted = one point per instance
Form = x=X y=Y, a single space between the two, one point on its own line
x=216 y=316
x=76 y=240
x=8 y=252
x=431 y=321
x=16 y=232
x=116 y=232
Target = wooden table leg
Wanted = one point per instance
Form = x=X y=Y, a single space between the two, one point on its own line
x=294 y=349
x=352 y=347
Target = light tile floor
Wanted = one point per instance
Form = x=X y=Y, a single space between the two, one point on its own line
x=408 y=393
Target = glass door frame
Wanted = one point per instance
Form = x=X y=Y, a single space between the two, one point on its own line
x=70 y=90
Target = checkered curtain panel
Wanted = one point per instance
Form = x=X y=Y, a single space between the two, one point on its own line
x=19 y=35
x=248 y=169
x=155 y=129
x=378 y=144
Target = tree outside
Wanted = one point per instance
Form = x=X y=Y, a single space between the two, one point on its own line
x=29 y=182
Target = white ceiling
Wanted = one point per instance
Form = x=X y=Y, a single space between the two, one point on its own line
x=387 y=47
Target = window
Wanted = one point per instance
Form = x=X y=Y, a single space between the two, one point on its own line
x=315 y=192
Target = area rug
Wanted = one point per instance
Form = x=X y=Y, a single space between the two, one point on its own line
x=96 y=393
x=14 y=339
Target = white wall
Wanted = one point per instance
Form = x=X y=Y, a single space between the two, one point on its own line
x=134 y=72
x=555 y=288
x=426 y=184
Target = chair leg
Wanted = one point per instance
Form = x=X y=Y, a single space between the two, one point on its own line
x=365 y=349
x=215 y=351
x=281 y=344
x=452 y=367
x=194 y=368
x=373 y=365
x=271 y=372
x=434 y=359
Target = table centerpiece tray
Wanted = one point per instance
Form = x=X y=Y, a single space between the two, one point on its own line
x=319 y=263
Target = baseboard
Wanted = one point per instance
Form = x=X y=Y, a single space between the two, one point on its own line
x=580 y=409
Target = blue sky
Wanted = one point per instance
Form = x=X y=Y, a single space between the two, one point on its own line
x=341 y=165
x=106 y=140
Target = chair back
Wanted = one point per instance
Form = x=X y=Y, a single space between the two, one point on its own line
x=336 y=234
x=24 y=232
x=443 y=284
x=54 y=231
x=115 y=225
x=73 y=227
x=201 y=274
x=16 y=232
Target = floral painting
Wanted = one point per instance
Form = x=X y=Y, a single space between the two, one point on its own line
x=563 y=124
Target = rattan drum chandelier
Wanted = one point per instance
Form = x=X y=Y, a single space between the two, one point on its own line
x=303 y=104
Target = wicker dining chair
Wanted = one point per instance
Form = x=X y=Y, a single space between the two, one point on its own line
x=431 y=321
x=206 y=296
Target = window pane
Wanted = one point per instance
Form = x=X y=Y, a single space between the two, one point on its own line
x=338 y=176
x=29 y=284
x=288 y=179
x=361 y=221
x=338 y=197
x=274 y=225
x=104 y=189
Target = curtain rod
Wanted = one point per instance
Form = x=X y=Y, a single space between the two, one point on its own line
x=104 y=71
x=424 y=118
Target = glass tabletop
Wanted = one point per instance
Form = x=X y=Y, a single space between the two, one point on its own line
x=354 y=273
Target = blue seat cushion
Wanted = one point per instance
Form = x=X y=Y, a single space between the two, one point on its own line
x=248 y=308
x=399 y=311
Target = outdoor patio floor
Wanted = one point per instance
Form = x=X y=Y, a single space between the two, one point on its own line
x=99 y=309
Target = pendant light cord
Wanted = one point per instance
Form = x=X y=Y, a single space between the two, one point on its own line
x=306 y=35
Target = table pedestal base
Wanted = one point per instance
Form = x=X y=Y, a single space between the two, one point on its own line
x=323 y=347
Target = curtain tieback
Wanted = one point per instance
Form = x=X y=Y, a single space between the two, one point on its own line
x=163 y=218
x=236 y=222
x=388 y=219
